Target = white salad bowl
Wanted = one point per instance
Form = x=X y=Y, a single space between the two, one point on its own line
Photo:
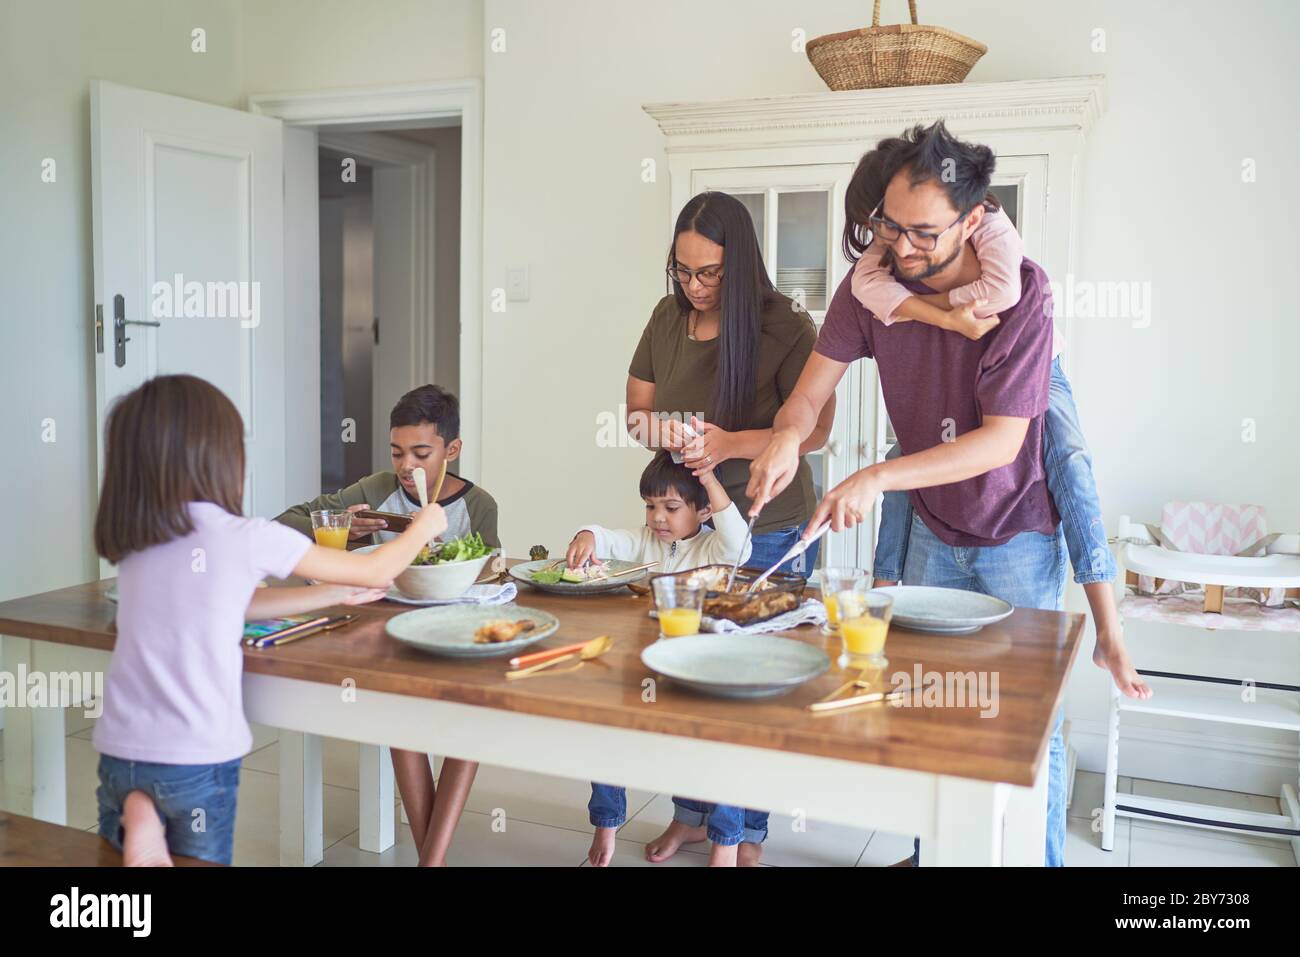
x=438 y=582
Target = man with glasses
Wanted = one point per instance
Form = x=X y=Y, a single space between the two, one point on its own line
x=968 y=413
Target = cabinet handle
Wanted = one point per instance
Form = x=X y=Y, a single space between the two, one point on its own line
x=833 y=447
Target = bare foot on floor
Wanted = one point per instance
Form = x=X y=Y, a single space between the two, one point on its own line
x=666 y=844
x=602 y=847
x=749 y=855
x=1114 y=658
x=723 y=855
x=144 y=840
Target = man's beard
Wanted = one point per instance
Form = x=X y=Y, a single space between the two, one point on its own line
x=889 y=260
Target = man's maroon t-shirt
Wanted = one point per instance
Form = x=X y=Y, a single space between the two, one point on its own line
x=939 y=385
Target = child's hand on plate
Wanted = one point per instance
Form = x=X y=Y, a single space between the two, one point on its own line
x=363 y=527
x=581 y=550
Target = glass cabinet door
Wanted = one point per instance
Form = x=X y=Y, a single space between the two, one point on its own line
x=798 y=214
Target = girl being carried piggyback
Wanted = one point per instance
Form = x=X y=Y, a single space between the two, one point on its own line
x=173 y=729
x=972 y=311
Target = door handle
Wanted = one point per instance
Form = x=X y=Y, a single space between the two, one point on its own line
x=120 y=322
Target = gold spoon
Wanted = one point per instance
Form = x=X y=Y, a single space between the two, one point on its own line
x=592 y=649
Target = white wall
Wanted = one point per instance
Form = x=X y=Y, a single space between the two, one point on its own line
x=302 y=45
x=49 y=53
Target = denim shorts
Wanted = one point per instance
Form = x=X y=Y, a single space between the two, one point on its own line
x=195 y=802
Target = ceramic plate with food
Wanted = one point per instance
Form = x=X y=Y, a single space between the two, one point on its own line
x=551 y=575
x=472 y=631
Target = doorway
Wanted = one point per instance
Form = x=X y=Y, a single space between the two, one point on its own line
x=403 y=118
x=390 y=264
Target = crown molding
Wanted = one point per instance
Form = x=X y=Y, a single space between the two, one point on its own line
x=1066 y=104
x=412 y=104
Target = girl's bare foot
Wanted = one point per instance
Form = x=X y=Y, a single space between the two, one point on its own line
x=723 y=855
x=602 y=847
x=666 y=844
x=1113 y=656
x=144 y=841
x=749 y=855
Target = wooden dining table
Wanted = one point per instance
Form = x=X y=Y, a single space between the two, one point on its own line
x=969 y=779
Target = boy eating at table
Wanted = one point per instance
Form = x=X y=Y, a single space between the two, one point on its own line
x=677 y=505
x=424 y=432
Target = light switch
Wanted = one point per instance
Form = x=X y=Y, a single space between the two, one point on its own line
x=517 y=283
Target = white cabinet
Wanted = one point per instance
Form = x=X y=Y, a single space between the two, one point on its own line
x=789 y=159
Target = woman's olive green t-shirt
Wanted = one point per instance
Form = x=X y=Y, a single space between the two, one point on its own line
x=684 y=373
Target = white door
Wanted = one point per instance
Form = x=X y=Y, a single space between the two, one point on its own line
x=187 y=204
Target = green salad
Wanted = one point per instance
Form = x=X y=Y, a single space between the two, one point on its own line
x=459 y=550
x=548 y=576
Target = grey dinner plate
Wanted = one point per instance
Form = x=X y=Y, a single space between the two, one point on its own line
x=449 y=629
x=736 y=666
x=523 y=572
x=944 y=611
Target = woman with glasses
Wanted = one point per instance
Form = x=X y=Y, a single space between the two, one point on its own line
x=720 y=354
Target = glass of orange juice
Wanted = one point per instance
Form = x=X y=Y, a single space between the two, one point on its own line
x=680 y=605
x=832 y=581
x=864 y=625
x=331 y=527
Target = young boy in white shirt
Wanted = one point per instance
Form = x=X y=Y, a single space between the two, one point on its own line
x=676 y=507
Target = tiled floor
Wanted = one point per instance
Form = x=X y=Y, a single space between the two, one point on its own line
x=515 y=818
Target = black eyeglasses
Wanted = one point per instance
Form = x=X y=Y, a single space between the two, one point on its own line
x=708 y=275
x=889 y=231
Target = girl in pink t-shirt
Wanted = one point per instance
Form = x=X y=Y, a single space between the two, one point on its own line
x=173 y=730
x=972 y=311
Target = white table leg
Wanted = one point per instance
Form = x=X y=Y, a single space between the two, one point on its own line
x=35 y=747
x=1024 y=836
x=378 y=827
x=968 y=818
x=302 y=817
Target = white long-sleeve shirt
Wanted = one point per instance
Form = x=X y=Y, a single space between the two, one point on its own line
x=706 y=547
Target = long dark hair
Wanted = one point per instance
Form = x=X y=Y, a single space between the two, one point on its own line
x=923 y=152
x=746 y=292
x=174 y=440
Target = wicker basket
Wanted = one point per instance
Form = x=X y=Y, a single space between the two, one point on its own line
x=904 y=54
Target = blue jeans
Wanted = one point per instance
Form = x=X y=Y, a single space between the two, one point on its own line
x=1028 y=572
x=608 y=805
x=727 y=825
x=195 y=802
x=770 y=546
x=1068 y=467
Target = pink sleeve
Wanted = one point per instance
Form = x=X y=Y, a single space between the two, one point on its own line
x=998 y=246
x=874 y=286
x=276 y=549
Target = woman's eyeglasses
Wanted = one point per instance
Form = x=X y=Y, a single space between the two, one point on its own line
x=889 y=231
x=708 y=275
